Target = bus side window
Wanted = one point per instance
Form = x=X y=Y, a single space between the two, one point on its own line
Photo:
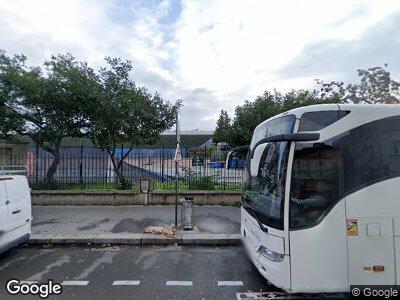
x=317 y=120
x=315 y=182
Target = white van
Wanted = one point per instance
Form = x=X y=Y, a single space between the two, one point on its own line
x=15 y=211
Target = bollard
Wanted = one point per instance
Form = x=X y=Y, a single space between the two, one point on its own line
x=187 y=213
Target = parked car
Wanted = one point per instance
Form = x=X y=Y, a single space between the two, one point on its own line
x=15 y=211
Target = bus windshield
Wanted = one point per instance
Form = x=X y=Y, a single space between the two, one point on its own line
x=264 y=193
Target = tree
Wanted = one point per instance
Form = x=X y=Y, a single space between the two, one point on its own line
x=126 y=115
x=46 y=106
x=9 y=123
x=222 y=131
x=375 y=86
x=267 y=105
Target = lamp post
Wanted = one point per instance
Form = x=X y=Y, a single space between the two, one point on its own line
x=177 y=158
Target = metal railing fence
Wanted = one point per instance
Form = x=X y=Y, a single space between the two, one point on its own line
x=95 y=170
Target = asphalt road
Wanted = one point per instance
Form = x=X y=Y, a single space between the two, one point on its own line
x=173 y=272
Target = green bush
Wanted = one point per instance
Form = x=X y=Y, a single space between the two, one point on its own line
x=125 y=184
x=196 y=181
x=46 y=185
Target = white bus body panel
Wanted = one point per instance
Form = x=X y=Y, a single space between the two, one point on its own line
x=15 y=211
x=277 y=273
x=397 y=251
x=376 y=209
x=318 y=255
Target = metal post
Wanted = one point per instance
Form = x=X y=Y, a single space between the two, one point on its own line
x=176 y=193
x=177 y=158
x=122 y=163
x=187 y=213
x=162 y=165
x=205 y=161
x=37 y=163
x=81 y=167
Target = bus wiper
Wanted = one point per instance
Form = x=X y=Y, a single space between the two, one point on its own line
x=253 y=213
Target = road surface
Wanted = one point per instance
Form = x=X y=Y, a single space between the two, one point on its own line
x=128 y=272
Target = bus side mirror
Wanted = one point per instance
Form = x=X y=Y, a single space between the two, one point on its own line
x=229 y=157
x=228 y=160
x=288 y=137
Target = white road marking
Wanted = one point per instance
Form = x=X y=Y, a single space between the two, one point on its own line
x=179 y=283
x=126 y=282
x=75 y=283
x=286 y=296
x=106 y=258
x=230 y=283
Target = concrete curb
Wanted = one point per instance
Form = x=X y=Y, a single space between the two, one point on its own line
x=116 y=197
x=182 y=238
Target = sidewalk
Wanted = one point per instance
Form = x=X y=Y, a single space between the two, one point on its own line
x=214 y=225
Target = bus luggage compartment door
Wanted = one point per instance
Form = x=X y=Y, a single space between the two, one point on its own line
x=370 y=251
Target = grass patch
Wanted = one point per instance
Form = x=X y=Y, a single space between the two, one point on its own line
x=167 y=186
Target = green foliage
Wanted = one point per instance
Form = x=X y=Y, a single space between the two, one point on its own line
x=221 y=132
x=46 y=106
x=125 y=184
x=202 y=152
x=250 y=114
x=195 y=181
x=170 y=185
x=126 y=115
x=45 y=185
x=67 y=98
x=375 y=86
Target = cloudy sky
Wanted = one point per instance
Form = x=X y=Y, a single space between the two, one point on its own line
x=211 y=54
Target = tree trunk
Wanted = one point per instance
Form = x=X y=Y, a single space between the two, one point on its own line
x=117 y=171
x=121 y=181
x=51 y=171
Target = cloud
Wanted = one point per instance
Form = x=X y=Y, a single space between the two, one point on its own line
x=378 y=45
x=211 y=54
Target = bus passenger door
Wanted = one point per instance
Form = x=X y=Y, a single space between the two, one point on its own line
x=370 y=251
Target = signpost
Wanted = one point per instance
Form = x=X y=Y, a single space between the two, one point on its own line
x=177 y=158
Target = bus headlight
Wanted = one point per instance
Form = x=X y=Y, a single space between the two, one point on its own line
x=271 y=255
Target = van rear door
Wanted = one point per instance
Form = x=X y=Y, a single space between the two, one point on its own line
x=3 y=208
x=18 y=195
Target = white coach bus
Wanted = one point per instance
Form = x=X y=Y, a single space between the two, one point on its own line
x=321 y=206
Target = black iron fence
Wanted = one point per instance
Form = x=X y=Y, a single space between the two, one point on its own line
x=200 y=170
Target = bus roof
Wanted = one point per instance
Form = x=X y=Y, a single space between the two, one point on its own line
x=347 y=107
